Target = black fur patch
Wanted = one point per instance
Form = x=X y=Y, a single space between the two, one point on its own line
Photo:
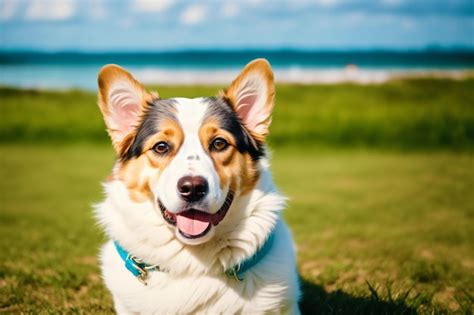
x=229 y=121
x=157 y=110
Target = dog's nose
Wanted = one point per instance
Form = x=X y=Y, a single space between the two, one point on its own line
x=192 y=188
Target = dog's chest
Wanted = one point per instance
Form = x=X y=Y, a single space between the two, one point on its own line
x=165 y=293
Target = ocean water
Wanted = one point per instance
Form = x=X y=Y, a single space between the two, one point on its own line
x=79 y=70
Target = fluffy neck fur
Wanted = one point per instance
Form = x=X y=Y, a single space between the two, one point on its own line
x=142 y=231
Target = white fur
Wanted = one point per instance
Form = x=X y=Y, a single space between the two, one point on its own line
x=194 y=280
x=191 y=160
x=190 y=113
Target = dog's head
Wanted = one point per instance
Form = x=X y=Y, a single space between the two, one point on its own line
x=192 y=158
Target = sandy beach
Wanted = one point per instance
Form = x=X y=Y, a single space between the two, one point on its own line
x=84 y=77
x=297 y=75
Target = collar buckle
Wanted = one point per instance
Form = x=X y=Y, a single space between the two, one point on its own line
x=238 y=270
x=233 y=273
x=141 y=268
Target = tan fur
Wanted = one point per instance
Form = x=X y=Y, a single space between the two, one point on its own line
x=131 y=172
x=192 y=279
x=108 y=75
x=262 y=67
x=231 y=165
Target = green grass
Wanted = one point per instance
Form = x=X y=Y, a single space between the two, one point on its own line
x=409 y=114
x=48 y=237
x=395 y=223
x=380 y=177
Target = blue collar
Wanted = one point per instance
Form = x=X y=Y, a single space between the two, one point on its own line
x=238 y=270
x=140 y=269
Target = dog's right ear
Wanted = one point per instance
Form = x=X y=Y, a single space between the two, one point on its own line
x=252 y=95
x=122 y=100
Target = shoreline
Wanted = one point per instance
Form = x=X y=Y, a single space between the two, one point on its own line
x=350 y=74
x=84 y=78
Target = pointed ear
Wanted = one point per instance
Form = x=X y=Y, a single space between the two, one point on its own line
x=121 y=100
x=252 y=97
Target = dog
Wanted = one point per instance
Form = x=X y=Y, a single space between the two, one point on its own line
x=191 y=211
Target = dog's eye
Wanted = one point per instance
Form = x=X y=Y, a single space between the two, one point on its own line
x=161 y=147
x=219 y=144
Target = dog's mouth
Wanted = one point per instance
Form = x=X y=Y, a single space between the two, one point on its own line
x=194 y=223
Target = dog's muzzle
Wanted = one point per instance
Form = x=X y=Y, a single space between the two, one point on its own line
x=194 y=223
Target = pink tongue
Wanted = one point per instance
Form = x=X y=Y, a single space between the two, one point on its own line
x=192 y=222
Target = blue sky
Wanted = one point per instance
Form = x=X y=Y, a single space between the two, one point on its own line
x=144 y=25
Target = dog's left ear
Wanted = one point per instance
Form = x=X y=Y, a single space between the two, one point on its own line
x=122 y=100
x=252 y=96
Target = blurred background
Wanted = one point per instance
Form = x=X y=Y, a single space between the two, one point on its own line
x=372 y=139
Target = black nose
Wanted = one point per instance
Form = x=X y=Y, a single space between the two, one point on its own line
x=192 y=188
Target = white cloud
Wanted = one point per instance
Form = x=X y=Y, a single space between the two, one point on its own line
x=50 y=10
x=8 y=9
x=230 y=9
x=194 y=14
x=152 y=5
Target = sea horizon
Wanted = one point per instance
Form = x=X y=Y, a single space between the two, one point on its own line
x=74 y=69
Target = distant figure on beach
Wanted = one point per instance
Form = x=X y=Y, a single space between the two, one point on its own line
x=351 y=68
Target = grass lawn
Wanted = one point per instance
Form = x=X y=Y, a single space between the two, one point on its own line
x=399 y=224
x=380 y=178
x=410 y=114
